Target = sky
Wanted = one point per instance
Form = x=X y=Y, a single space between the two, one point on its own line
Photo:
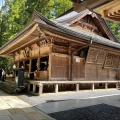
x=0 y=3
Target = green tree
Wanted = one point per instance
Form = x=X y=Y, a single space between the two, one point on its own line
x=115 y=28
x=17 y=12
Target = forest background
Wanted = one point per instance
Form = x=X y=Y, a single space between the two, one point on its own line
x=15 y=13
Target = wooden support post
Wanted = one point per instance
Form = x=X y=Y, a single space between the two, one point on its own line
x=34 y=87
x=116 y=85
x=77 y=87
x=106 y=85
x=56 y=88
x=18 y=65
x=40 y=89
x=28 y=88
x=38 y=63
x=50 y=66
x=93 y=86
x=30 y=66
x=23 y=63
x=71 y=67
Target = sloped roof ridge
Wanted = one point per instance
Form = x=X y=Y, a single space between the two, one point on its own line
x=70 y=16
x=43 y=18
x=73 y=15
x=84 y=34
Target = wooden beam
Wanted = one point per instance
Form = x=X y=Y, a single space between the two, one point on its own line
x=89 y=4
x=105 y=6
x=12 y=44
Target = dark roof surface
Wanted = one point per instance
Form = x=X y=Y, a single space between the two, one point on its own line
x=64 y=28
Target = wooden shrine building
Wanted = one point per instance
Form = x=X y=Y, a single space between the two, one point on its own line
x=73 y=47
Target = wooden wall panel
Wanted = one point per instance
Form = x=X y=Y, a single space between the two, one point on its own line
x=58 y=49
x=116 y=60
x=91 y=72
x=60 y=67
x=112 y=74
x=78 y=68
x=103 y=74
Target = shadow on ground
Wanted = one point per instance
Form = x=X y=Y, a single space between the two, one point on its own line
x=95 y=112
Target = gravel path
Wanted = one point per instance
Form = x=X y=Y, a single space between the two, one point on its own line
x=35 y=100
x=96 y=112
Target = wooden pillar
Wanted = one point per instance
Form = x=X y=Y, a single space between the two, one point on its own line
x=56 y=88
x=77 y=87
x=116 y=85
x=38 y=63
x=71 y=67
x=30 y=66
x=28 y=88
x=40 y=89
x=23 y=63
x=18 y=64
x=93 y=86
x=49 y=66
x=106 y=85
x=34 y=87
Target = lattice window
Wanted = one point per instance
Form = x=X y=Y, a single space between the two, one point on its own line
x=92 y=55
x=101 y=57
x=109 y=60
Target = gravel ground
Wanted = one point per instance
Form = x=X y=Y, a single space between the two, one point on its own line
x=35 y=100
x=95 y=112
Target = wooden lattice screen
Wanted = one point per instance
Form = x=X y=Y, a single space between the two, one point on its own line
x=101 y=64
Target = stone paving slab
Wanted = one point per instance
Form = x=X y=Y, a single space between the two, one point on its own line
x=28 y=110
x=19 y=117
x=13 y=108
x=35 y=116
x=5 y=117
x=4 y=112
x=16 y=111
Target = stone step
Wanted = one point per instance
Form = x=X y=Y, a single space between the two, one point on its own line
x=9 y=86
